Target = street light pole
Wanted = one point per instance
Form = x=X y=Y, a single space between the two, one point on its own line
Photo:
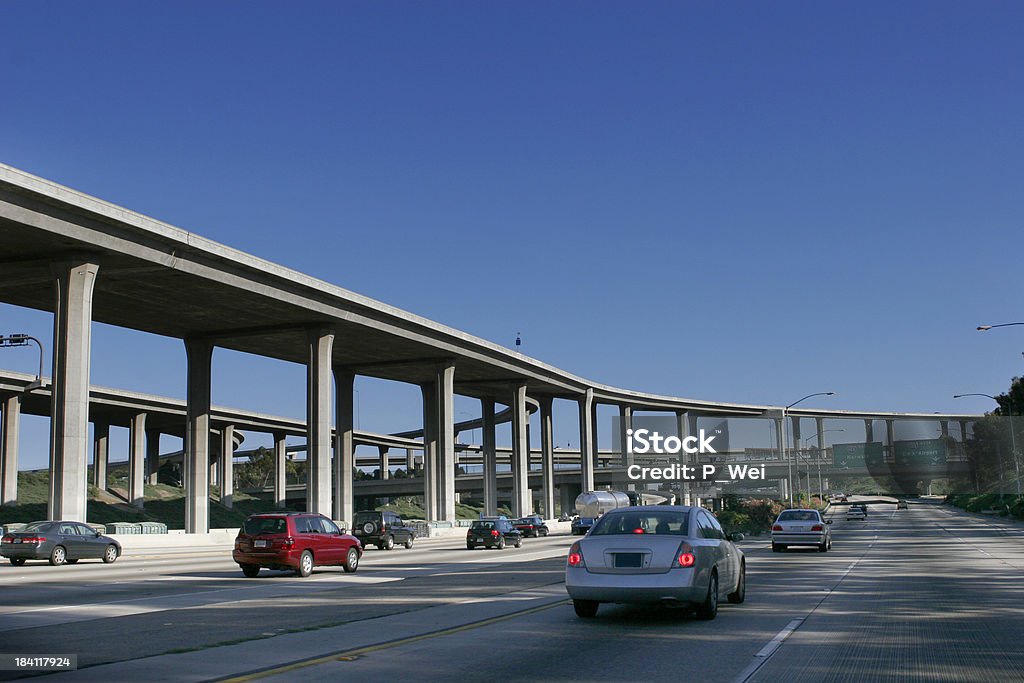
x=21 y=339
x=821 y=449
x=789 y=461
x=1013 y=437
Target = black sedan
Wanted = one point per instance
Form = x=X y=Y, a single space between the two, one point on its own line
x=58 y=542
x=532 y=526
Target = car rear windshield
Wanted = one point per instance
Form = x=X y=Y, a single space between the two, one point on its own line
x=483 y=525
x=367 y=517
x=265 y=525
x=669 y=522
x=798 y=516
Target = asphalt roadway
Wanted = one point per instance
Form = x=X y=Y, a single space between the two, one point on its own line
x=924 y=594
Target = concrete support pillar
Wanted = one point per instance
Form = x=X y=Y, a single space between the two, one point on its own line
x=787 y=492
x=319 y=347
x=794 y=425
x=152 y=455
x=890 y=438
x=137 y=460
x=547 y=456
x=625 y=422
x=196 y=470
x=9 y=450
x=521 y=498
x=869 y=430
x=944 y=428
x=819 y=425
x=429 y=451
x=280 y=470
x=344 y=444
x=681 y=432
x=214 y=467
x=963 y=431
x=69 y=410
x=692 y=458
x=100 y=454
x=383 y=456
x=444 y=384
x=227 y=462
x=588 y=440
x=410 y=462
x=490 y=457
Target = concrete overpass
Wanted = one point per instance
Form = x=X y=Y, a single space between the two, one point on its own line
x=85 y=260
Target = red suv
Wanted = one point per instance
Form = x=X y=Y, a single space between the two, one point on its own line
x=293 y=540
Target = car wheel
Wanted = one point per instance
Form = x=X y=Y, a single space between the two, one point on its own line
x=58 y=556
x=110 y=554
x=470 y=546
x=741 y=587
x=250 y=570
x=823 y=547
x=708 y=609
x=74 y=561
x=519 y=543
x=408 y=543
x=351 y=560
x=389 y=543
x=544 y=532
x=585 y=609
x=305 y=563
x=17 y=561
x=501 y=543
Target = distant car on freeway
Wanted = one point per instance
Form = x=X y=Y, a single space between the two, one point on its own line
x=493 y=533
x=532 y=526
x=656 y=554
x=857 y=512
x=295 y=541
x=59 y=542
x=383 y=529
x=581 y=525
x=901 y=504
x=801 y=527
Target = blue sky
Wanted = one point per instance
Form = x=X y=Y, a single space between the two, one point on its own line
x=730 y=201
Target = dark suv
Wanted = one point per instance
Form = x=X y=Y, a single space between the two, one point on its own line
x=293 y=540
x=383 y=529
x=493 y=533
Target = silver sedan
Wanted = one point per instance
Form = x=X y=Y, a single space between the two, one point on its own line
x=656 y=554
x=801 y=527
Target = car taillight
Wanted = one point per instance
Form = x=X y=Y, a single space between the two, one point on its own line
x=7 y=539
x=288 y=542
x=685 y=556
x=777 y=527
x=494 y=532
x=469 y=533
x=576 y=556
x=817 y=527
x=34 y=539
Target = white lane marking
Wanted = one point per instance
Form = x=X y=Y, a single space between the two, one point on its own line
x=775 y=642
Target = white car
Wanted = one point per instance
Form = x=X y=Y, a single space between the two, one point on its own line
x=856 y=512
x=801 y=527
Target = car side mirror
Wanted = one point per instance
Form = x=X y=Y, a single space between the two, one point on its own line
x=96 y=534
x=828 y=521
x=735 y=538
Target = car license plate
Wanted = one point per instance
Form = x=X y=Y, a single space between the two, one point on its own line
x=629 y=560
x=259 y=544
x=17 y=540
x=479 y=540
x=801 y=528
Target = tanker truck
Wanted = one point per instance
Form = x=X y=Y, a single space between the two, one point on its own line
x=593 y=504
